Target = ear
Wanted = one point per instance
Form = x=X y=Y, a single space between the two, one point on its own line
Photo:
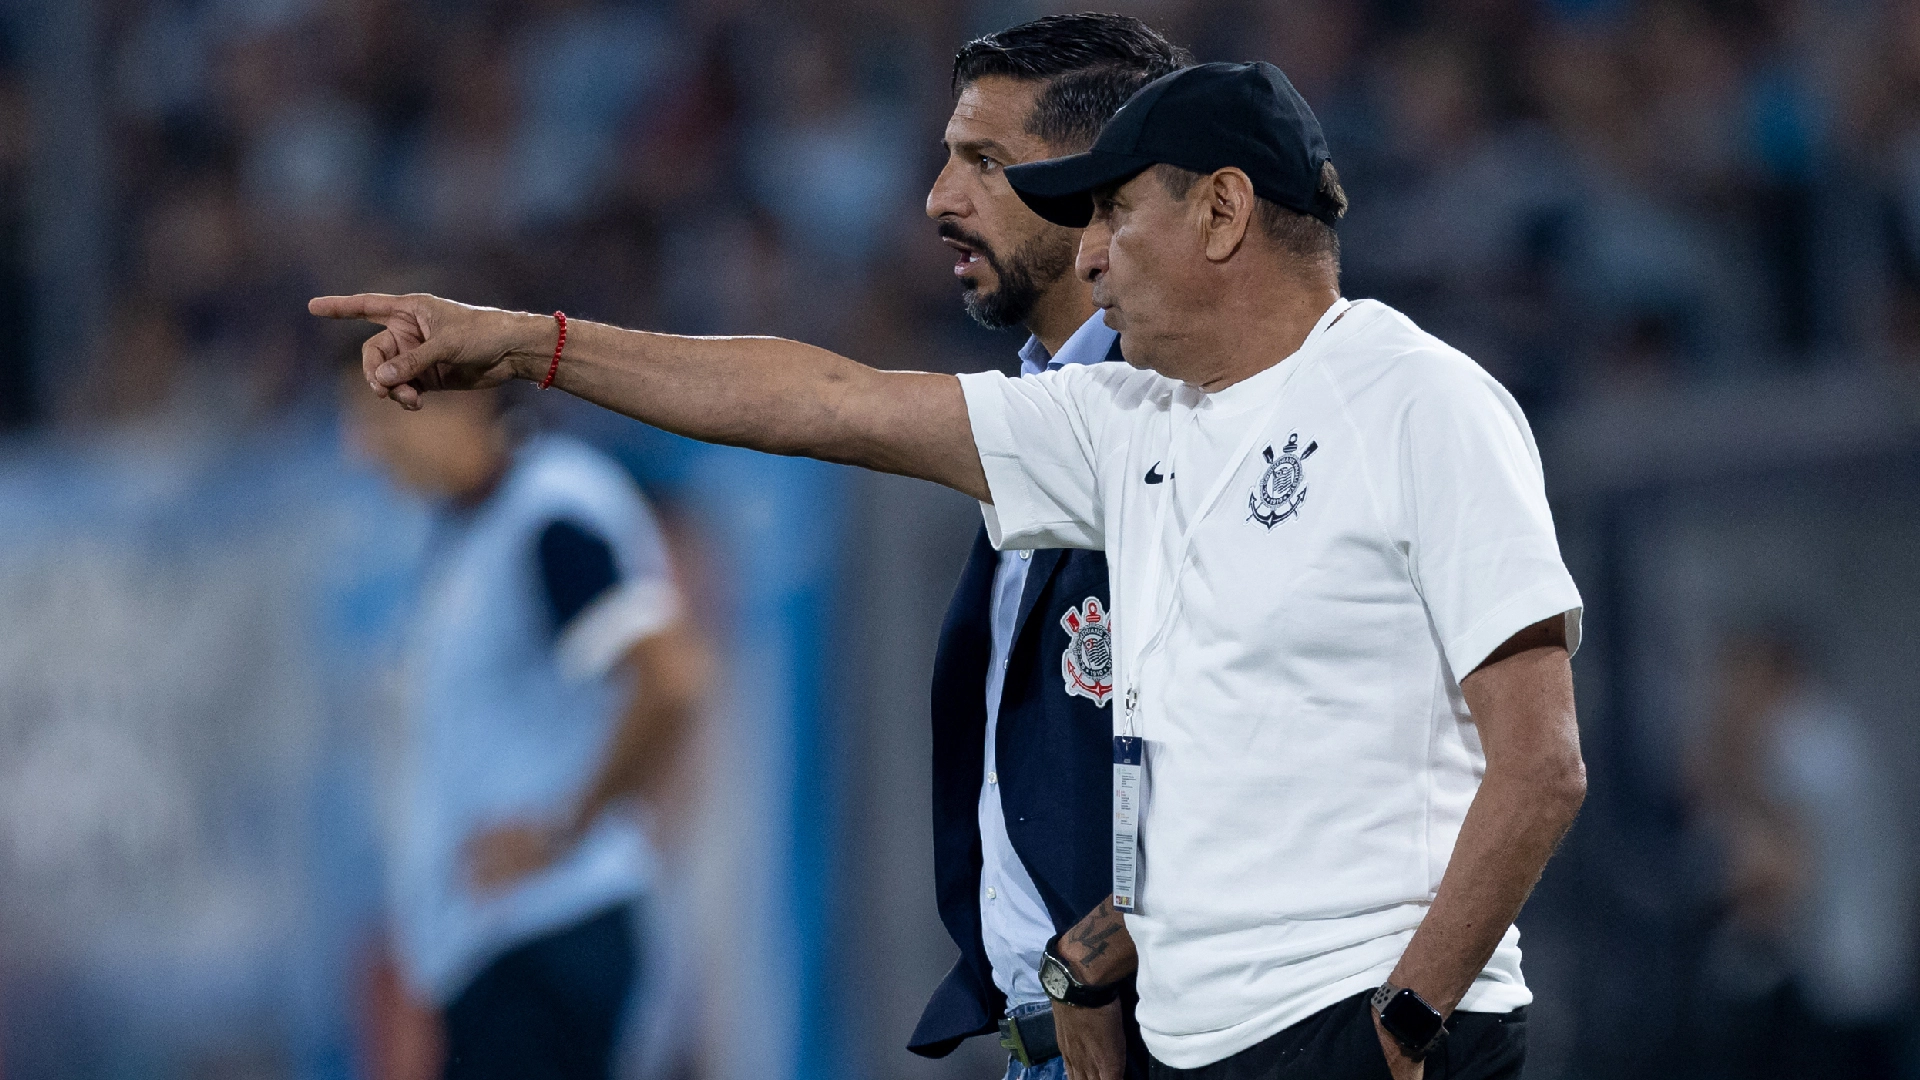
x=1229 y=210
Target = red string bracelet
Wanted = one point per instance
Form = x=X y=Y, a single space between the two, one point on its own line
x=554 y=368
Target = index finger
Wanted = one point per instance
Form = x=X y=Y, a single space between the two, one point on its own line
x=373 y=307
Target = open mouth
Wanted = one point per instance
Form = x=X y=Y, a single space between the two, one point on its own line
x=968 y=258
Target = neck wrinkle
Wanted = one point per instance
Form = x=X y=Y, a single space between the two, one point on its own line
x=1279 y=330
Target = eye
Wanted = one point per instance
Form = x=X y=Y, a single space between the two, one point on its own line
x=987 y=164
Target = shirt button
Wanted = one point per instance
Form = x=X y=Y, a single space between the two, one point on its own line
x=991 y=895
x=993 y=778
x=1026 y=554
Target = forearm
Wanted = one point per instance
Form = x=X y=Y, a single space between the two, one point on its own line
x=766 y=394
x=641 y=753
x=1521 y=699
x=1509 y=833
x=1098 y=949
x=669 y=671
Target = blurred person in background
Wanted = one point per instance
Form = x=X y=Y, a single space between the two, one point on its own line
x=550 y=678
x=1023 y=677
x=1808 y=969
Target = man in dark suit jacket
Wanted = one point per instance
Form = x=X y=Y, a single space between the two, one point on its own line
x=1022 y=732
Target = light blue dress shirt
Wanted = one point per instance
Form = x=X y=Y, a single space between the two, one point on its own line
x=1014 y=924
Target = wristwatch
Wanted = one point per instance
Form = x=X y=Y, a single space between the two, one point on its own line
x=1414 y=1024
x=1060 y=984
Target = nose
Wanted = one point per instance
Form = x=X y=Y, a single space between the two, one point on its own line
x=945 y=198
x=1091 y=262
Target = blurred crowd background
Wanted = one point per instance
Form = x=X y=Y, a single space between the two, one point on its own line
x=1684 y=233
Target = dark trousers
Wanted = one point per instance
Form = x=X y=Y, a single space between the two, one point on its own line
x=549 y=1009
x=1339 y=1043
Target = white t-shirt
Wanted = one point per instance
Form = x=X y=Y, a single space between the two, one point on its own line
x=1304 y=565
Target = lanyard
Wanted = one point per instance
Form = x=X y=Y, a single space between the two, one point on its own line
x=1132 y=787
x=1163 y=607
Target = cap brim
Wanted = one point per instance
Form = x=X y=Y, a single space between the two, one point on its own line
x=1061 y=189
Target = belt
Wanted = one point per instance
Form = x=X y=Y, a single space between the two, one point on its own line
x=1030 y=1038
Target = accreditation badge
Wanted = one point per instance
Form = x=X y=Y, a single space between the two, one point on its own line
x=1129 y=800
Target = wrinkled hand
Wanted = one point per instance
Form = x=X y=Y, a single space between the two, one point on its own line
x=1398 y=1063
x=435 y=344
x=1091 y=1040
x=500 y=856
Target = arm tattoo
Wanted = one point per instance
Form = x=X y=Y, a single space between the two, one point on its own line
x=1093 y=938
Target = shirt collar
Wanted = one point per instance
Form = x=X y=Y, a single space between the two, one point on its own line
x=1088 y=345
x=1260 y=387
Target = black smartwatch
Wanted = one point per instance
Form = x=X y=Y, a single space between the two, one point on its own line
x=1414 y=1024
x=1060 y=984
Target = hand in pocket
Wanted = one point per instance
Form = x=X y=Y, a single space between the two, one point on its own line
x=1399 y=1065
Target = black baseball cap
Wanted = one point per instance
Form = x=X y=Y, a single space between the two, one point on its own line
x=1201 y=118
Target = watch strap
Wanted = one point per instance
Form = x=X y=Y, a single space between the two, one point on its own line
x=1416 y=1025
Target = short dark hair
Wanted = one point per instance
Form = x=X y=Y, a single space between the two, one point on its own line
x=1092 y=63
x=1302 y=235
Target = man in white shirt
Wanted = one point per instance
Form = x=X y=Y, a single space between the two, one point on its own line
x=1347 y=653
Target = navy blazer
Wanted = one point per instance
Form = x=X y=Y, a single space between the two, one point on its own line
x=1055 y=760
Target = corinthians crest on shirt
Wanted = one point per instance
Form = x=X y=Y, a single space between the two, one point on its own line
x=1087 y=665
x=1283 y=487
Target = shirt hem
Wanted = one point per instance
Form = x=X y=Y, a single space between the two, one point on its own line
x=1195 y=1050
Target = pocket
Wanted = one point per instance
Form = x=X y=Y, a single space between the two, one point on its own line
x=1336 y=1043
x=1484 y=1047
x=1376 y=1056
x=1348 y=1048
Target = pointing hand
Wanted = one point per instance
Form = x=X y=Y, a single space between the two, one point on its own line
x=434 y=344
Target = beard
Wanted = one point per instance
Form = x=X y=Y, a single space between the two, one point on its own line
x=1034 y=267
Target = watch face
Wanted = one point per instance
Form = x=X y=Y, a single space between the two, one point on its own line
x=1053 y=979
x=1410 y=1020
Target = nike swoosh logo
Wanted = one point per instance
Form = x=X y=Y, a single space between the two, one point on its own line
x=1153 y=474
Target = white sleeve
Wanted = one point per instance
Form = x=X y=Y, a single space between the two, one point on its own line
x=643 y=602
x=1483 y=550
x=1037 y=448
x=614 y=623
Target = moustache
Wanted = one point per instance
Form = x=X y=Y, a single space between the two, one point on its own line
x=950 y=231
